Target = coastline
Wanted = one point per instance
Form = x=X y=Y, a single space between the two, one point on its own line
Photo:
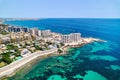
x=29 y=64
x=11 y=68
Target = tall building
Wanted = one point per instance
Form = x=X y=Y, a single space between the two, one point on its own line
x=10 y=29
x=65 y=38
x=39 y=32
x=46 y=33
x=73 y=37
x=18 y=29
x=34 y=31
x=24 y=29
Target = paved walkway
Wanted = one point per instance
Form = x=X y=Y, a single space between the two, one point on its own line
x=9 y=69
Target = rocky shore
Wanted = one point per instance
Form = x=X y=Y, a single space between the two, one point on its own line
x=10 y=69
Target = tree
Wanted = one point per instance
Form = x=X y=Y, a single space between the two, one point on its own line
x=6 y=58
x=37 y=47
x=12 y=47
x=62 y=44
x=60 y=51
x=58 y=46
x=49 y=43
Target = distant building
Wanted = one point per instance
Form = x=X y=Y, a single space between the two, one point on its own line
x=34 y=31
x=39 y=32
x=0 y=22
x=46 y=33
x=73 y=37
x=25 y=29
x=5 y=40
x=17 y=29
x=10 y=29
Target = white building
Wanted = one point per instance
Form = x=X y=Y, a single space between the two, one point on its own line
x=5 y=39
x=34 y=31
x=25 y=52
x=46 y=33
x=0 y=22
x=65 y=38
x=73 y=37
x=39 y=32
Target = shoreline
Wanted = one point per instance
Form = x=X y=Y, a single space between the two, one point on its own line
x=29 y=64
x=11 y=69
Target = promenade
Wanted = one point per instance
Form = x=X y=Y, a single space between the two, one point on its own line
x=9 y=69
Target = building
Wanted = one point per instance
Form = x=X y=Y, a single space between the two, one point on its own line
x=34 y=31
x=17 y=29
x=46 y=33
x=24 y=29
x=65 y=38
x=5 y=40
x=25 y=52
x=39 y=32
x=10 y=28
x=73 y=37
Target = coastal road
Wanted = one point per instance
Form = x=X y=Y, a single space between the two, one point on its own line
x=9 y=69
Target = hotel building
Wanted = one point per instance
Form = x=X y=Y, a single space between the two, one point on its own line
x=46 y=33
x=39 y=32
x=34 y=31
x=17 y=29
x=73 y=37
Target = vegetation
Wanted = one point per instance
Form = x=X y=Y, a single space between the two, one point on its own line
x=2 y=64
x=49 y=43
x=60 y=51
x=37 y=47
x=10 y=46
x=3 y=25
x=62 y=44
x=27 y=44
x=58 y=46
x=15 y=48
x=4 y=32
x=6 y=58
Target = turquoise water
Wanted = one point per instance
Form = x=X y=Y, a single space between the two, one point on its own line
x=94 y=61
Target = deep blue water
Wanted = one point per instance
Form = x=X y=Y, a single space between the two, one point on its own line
x=103 y=58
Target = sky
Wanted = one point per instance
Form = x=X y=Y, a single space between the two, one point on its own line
x=59 y=8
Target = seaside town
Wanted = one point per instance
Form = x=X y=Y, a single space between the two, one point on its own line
x=19 y=43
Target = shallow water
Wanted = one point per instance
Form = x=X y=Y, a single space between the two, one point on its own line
x=94 y=61
x=79 y=63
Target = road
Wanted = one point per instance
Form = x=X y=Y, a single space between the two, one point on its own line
x=9 y=69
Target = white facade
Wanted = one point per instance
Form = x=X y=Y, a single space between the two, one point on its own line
x=46 y=33
x=39 y=32
x=73 y=37
x=65 y=38
x=34 y=31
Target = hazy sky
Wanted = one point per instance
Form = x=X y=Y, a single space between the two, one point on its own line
x=60 y=8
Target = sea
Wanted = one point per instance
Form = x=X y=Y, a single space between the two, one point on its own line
x=94 y=61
